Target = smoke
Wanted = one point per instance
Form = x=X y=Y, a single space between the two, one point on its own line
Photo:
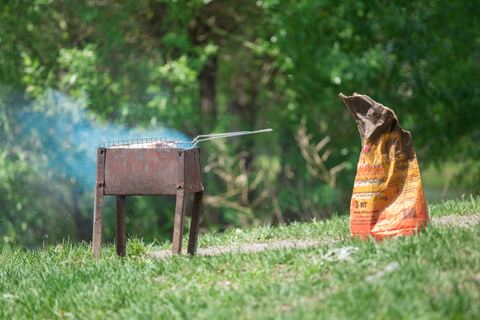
x=61 y=138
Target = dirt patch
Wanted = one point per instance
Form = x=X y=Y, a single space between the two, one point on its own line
x=247 y=248
x=467 y=221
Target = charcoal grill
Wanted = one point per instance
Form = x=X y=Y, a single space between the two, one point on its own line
x=149 y=167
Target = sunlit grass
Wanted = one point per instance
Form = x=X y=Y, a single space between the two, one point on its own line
x=467 y=205
x=333 y=229
x=433 y=275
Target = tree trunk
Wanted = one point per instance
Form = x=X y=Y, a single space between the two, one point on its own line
x=207 y=80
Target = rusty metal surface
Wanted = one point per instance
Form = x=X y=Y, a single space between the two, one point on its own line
x=121 y=230
x=180 y=206
x=193 y=170
x=151 y=171
x=98 y=208
x=195 y=223
x=142 y=171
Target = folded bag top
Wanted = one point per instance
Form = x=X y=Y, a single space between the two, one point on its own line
x=388 y=198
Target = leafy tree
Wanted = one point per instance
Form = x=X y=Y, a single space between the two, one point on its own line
x=215 y=66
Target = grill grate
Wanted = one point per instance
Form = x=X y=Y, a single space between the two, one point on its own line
x=147 y=143
x=165 y=143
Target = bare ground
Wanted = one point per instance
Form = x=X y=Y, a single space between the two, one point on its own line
x=467 y=221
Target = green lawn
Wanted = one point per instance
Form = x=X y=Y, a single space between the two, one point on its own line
x=433 y=275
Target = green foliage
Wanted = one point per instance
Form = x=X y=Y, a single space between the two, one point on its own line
x=216 y=66
x=137 y=248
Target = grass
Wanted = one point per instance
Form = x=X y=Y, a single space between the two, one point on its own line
x=433 y=275
x=465 y=206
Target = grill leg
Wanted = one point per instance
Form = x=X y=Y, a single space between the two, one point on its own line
x=178 y=224
x=194 y=225
x=121 y=240
x=97 y=222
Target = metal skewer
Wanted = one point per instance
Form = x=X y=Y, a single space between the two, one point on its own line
x=206 y=137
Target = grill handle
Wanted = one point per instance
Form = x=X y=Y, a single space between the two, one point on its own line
x=206 y=137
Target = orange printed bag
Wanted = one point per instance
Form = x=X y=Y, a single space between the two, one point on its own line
x=388 y=198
